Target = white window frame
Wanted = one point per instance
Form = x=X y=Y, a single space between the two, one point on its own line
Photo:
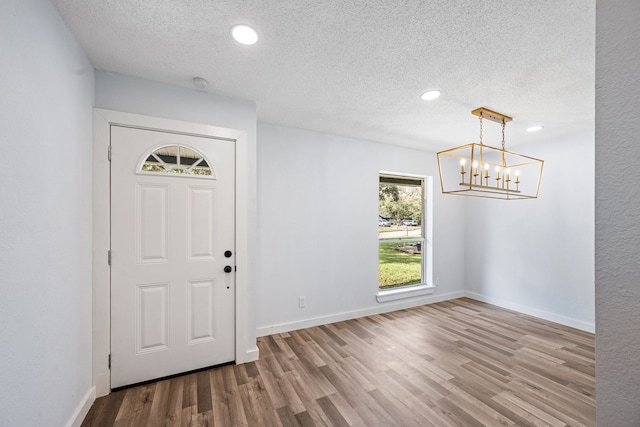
x=152 y=152
x=426 y=287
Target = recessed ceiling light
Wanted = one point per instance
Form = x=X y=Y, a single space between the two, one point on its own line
x=244 y=34
x=534 y=128
x=430 y=95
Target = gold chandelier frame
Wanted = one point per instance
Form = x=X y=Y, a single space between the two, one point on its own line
x=492 y=172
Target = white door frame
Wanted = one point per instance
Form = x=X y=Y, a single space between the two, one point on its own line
x=101 y=278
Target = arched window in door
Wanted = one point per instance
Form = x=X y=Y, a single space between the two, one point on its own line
x=177 y=159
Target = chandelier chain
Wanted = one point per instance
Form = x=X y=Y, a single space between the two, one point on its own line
x=503 y=126
x=480 y=117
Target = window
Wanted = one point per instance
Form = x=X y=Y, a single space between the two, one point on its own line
x=176 y=159
x=401 y=231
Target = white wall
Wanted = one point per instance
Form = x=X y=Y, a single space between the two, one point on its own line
x=46 y=94
x=536 y=256
x=318 y=204
x=134 y=95
x=617 y=204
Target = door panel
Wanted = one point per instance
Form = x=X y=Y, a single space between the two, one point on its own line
x=201 y=310
x=152 y=317
x=151 y=222
x=172 y=304
x=200 y=213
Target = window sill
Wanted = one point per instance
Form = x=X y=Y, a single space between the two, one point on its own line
x=404 y=292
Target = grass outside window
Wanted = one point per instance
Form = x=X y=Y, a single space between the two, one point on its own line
x=397 y=268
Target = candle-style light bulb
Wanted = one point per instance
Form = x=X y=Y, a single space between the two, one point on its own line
x=486 y=174
x=462 y=172
x=474 y=166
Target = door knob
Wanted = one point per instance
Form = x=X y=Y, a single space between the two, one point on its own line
x=228 y=269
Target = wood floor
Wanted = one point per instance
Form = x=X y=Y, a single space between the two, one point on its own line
x=455 y=363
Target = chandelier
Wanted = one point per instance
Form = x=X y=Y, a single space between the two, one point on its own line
x=482 y=171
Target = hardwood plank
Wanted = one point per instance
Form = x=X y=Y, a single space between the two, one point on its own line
x=403 y=382
x=458 y=415
x=535 y=415
x=557 y=406
x=421 y=380
x=142 y=408
x=309 y=350
x=364 y=379
x=104 y=411
x=455 y=363
x=160 y=403
x=304 y=419
x=586 y=403
x=231 y=386
x=350 y=415
x=480 y=393
x=287 y=418
x=252 y=369
x=219 y=398
x=312 y=379
x=202 y=419
x=396 y=409
x=241 y=374
x=332 y=335
x=190 y=391
x=251 y=412
x=129 y=402
x=204 y=392
x=284 y=360
x=187 y=415
x=174 y=402
x=270 y=372
x=330 y=410
x=258 y=398
x=485 y=414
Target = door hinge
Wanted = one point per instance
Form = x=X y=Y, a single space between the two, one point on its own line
x=109 y=256
x=109 y=362
x=109 y=153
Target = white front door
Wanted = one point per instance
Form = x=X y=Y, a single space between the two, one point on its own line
x=172 y=253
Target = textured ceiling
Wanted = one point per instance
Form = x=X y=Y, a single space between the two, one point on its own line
x=357 y=68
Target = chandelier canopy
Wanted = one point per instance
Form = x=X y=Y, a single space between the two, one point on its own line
x=480 y=170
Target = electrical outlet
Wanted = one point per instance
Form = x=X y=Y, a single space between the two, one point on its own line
x=437 y=281
x=302 y=302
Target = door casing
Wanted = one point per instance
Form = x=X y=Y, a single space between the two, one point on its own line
x=102 y=121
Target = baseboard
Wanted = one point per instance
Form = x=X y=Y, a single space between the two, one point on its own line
x=339 y=317
x=102 y=383
x=252 y=355
x=567 y=321
x=83 y=408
